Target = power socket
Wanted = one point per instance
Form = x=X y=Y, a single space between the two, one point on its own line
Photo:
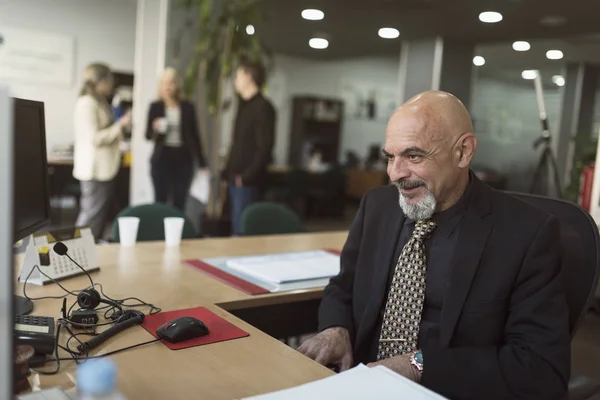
x=84 y=317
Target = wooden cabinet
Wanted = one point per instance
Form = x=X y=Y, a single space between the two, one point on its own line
x=316 y=126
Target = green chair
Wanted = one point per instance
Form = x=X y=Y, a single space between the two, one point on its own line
x=152 y=222
x=266 y=218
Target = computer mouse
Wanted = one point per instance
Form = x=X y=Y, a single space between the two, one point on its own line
x=182 y=328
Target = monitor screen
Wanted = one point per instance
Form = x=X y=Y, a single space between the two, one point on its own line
x=31 y=194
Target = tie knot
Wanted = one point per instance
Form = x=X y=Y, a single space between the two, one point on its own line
x=423 y=228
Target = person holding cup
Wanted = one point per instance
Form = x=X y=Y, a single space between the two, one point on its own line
x=172 y=126
x=96 y=153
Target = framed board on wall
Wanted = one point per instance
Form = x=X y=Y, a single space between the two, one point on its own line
x=33 y=56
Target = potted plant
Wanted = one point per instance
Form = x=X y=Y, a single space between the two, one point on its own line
x=219 y=41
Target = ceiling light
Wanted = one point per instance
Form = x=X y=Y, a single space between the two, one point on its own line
x=554 y=54
x=478 y=61
x=389 y=33
x=490 y=17
x=250 y=30
x=318 y=43
x=313 y=14
x=529 y=74
x=558 y=80
x=521 y=46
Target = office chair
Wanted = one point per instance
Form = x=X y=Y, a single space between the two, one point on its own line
x=580 y=271
x=152 y=222
x=266 y=218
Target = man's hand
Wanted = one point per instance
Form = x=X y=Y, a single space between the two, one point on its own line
x=238 y=181
x=400 y=365
x=332 y=346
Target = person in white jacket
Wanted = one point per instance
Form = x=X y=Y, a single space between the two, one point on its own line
x=97 y=157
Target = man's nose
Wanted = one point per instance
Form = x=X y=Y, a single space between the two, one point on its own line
x=397 y=170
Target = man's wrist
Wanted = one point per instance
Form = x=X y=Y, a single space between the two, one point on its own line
x=416 y=360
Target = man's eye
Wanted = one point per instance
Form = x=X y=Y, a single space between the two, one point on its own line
x=414 y=157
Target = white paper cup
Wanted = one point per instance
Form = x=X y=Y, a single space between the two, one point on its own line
x=173 y=230
x=128 y=230
x=162 y=125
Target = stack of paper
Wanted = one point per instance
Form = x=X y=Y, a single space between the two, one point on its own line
x=360 y=382
x=288 y=267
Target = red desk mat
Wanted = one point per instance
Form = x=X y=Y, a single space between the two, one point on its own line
x=232 y=280
x=219 y=329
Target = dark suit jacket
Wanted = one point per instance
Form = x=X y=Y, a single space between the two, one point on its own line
x=190 y=135
x=252 y=142
x=504 y=330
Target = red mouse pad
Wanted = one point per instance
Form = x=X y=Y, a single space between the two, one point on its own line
x=219 y=330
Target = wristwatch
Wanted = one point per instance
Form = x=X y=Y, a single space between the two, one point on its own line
x=416 y=359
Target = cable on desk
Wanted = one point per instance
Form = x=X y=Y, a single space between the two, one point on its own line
x=45 y=297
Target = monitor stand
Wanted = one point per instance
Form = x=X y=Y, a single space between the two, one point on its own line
x=23 y=306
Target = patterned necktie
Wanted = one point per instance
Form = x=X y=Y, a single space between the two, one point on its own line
x=402 y=315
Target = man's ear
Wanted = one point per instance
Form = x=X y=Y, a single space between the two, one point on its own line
x=467 y=148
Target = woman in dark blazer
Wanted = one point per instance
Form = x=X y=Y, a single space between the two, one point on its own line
x=173 y=127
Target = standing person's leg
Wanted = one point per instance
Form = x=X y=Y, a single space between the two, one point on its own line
x=182 y=179
x=96 y=200
x=161 y=178
x=240 y=198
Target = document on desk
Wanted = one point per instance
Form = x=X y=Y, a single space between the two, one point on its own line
x=361 y=382
x=288 y=267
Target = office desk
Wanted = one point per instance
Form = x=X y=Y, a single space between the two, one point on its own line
x=226 y=370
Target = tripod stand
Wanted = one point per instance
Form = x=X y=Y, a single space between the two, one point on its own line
x=541 y=176
x=547 y=162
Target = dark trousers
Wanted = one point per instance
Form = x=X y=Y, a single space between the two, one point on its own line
x=172 y=173
x=240 y=198
x=95 y=205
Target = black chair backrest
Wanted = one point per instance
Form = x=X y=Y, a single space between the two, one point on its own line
x=580 y=253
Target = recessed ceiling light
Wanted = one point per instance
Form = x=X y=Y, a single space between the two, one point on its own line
x=521 y=46
x=478 y=61
x=313 y=14
x=529 y=74
x=389 y=33
x=250 y=29
x=554 y=54
x=318 y=43
x=490 y=17
x=558 y=80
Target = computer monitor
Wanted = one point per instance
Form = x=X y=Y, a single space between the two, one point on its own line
x=30 y=176
x=6 y=244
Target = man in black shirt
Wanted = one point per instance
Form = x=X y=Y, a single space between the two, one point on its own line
x=252 y=141
x=445 y=280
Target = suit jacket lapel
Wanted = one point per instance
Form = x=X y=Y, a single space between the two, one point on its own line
x=382 y=265
x=473 y=236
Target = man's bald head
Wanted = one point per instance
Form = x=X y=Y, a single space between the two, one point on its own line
x=429 y=144
x=440 y=114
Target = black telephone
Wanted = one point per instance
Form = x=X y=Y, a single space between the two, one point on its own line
x=37 y=332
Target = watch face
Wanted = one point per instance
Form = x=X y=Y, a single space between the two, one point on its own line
x=419 y=357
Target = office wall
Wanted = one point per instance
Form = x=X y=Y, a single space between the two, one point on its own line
x=103 y=31
x=507 y=123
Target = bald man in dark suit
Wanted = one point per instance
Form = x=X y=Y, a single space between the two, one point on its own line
x=445 y=280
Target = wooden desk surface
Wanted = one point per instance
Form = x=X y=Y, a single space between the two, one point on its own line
x=227 y=370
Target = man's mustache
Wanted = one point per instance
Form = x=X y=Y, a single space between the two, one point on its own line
x=409 y=184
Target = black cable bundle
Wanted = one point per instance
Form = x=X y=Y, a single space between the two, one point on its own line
x=130 y=318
